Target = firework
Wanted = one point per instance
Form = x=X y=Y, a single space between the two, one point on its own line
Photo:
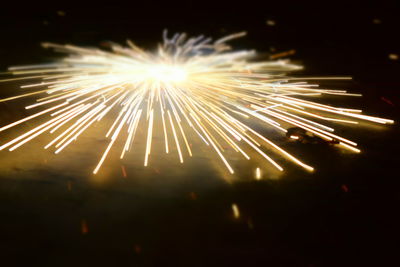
x=187 y=84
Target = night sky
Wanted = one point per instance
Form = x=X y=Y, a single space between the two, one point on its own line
x=54 y=212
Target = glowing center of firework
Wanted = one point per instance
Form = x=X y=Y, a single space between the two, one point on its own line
x=167 y=73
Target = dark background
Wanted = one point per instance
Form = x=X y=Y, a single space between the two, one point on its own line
x=342 y=215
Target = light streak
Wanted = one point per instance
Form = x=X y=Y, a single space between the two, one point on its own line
x=235 y=210
x=258 y=174
x=190 y=85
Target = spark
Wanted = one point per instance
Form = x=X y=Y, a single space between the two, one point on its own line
x=393 y=56
x=84 y=227
x=188 y=85
x=258 y=174
x=235 y=210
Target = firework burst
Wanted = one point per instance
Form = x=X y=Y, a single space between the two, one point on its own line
x=188 y=84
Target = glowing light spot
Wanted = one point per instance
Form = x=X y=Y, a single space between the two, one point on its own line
x=166 y=73
x=235 y=210
x=258 y=174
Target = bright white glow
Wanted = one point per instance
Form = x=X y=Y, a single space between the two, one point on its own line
x=166 y=73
